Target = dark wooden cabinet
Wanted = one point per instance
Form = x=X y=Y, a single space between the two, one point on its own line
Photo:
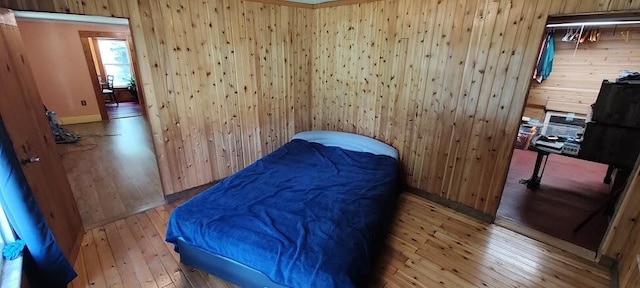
x=613 y=136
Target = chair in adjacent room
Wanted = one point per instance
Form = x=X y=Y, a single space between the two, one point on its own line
x=107 y=90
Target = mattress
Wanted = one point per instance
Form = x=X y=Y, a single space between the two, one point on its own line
x=306 y=215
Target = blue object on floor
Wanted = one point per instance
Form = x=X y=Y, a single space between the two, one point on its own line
x=12 y=250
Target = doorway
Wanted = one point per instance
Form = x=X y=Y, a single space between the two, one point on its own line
x=112 y=169
x=112 y=63
x=555 y=191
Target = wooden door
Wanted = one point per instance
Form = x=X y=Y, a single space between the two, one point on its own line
x=24 y=116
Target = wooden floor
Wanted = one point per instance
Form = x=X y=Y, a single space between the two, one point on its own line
x=112 y=170
x=124 y=110
x=429 y=246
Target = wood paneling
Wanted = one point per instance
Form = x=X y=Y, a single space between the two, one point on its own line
x=89 y=46
x=428 y=246
x=227 y=81
x=623 y=239
x=444 y=82
x=575 y=80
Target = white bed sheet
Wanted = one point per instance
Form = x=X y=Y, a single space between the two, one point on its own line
x=348 y=141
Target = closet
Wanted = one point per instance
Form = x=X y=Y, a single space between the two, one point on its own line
x=555 y=192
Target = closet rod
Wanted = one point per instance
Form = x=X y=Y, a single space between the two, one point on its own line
x=603 y=23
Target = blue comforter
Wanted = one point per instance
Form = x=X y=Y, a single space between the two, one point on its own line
x=306 y=215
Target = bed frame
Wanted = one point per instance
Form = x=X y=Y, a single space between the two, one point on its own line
x=223 y=267
x=245 y=276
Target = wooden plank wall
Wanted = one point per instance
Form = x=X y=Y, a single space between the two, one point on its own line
x=226 y=81
x=575 y=80
x=442 y=81
x=622 y=241
x=445 y=82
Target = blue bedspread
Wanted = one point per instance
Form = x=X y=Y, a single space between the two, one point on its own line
x=305 y=215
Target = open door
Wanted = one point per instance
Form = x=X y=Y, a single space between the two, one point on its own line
x=24 y=116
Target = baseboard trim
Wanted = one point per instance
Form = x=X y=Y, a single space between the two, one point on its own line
x=548 y=239
x=607 y=261
x=452 y=204
x=167 y=199
x=615 y=275
x=125 y=215
x=80 y=119
x=189 y=192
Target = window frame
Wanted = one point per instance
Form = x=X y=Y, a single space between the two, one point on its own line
x=104 y=64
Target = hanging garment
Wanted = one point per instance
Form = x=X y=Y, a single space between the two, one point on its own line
x=542 y=48
x=545 y=62
x=44 y=262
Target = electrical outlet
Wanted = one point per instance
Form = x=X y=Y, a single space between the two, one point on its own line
x=83 y=102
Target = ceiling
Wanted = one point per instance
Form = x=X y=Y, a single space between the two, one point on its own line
x=311 y=1
x=70 y=17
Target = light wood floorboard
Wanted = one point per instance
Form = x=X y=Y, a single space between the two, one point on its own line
x=112 y=170
x=428 y=246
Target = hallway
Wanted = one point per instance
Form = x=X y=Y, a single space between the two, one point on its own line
x=112 y=169
x=124 y=110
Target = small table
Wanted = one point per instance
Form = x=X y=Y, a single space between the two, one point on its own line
x=536 y=177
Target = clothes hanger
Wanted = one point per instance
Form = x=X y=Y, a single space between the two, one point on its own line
x=625 y=35
x=584 y=35
x=568 y=36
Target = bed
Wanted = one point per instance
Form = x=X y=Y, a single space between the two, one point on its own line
x=313 y=213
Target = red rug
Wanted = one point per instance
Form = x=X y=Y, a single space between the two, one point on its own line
x=570 y=190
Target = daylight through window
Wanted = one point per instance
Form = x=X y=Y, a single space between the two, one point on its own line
x=116 y=60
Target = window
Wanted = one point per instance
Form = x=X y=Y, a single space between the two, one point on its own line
x=11 y=271
x=115 y=60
